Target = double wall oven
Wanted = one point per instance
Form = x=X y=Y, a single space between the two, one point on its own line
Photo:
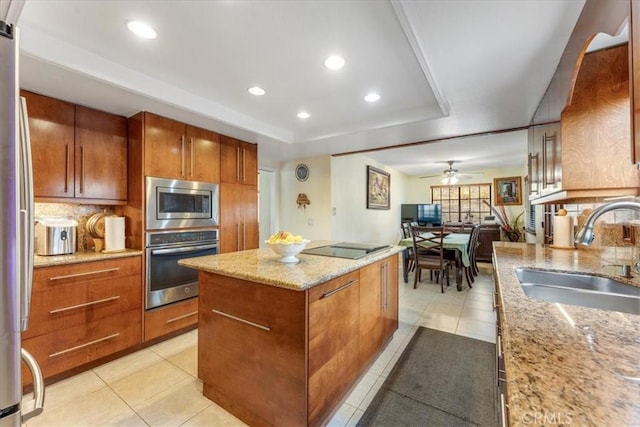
x=181 y=220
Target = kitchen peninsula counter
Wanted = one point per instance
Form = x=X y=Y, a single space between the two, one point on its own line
x=567 y=364
x=78 y=257
x=283 y=344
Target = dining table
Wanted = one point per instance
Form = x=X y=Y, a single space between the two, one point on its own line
x=457 y=242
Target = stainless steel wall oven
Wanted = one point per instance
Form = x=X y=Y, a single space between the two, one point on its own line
x=174 y=203
x=166 y=281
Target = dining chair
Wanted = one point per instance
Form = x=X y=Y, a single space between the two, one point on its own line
x=428 y=249
x=406 y=233
x=471 y=271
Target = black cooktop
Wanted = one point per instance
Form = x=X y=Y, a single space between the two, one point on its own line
x=345 y=250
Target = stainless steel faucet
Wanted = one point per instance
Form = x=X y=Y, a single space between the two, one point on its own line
x=585 y=235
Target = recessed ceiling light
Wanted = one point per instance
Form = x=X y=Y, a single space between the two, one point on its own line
x=257 y=91
x=141 y=29
x=303 y=115
x=334 y=62
x=372 y=97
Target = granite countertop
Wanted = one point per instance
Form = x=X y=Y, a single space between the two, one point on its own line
x=262 y=266
x=567 y=364
x=48 y=261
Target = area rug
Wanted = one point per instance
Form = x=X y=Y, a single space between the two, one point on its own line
x=441 y=379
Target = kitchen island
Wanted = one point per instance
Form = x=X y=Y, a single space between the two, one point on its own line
x=283 y=344
x=566 y=364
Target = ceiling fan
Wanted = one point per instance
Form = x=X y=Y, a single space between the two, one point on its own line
x=451 y=176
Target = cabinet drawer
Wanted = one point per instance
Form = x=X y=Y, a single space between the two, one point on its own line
x=64 y=299
x=64 y=275
x=174 y=317
x=69 y=348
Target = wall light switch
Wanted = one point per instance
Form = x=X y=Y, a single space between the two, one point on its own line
x=334 y=211
x=310 y=221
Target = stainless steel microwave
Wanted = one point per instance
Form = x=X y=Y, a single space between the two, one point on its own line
x=174 y=203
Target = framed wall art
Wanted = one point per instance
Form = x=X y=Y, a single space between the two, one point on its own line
x=378 y=189
x=507 y=191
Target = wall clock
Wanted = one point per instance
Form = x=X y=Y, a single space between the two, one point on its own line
x=302 y=172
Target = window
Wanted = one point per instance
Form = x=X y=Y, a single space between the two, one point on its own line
x=462 y=203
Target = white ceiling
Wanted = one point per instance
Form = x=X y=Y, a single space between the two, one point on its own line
x=443 y=68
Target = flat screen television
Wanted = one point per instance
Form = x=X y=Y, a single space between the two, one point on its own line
x=423 y=214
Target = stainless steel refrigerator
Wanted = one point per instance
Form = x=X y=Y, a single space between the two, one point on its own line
x=16 y=239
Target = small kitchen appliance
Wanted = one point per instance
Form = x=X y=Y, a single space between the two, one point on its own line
x=55 y=235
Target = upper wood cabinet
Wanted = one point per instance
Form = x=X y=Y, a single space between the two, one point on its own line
x=77 y=152
x=176 y=150
x=239 y=161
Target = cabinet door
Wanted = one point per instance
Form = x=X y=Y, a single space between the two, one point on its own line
x=390 y=295
x=203 y=155
x=238 y=161
x=51 y=126
x=333 y=343
x=100 y=155
x=249 y=163
x=249 y=228
x=371 y=304
x=238 y=217
x=251 y=349
x=164 y=147
x=230 y=217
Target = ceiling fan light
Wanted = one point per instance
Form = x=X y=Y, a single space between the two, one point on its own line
x=450 y=180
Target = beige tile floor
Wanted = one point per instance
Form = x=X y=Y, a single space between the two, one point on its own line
x=158 y=386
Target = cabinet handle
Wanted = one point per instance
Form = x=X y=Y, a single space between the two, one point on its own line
x=545 y=140
x=87 y=344
x=82 y=169
x=238 y=163
x=88 y=273
x=238 y=236
x=191 y=159
x=244 y=238
x=335 y=291
x=503 y=411
x=530 y=160
x=182 y=174
x=86 y=304
x=184 y=316
x=244 y=175
x=66 y=169
x=245 y=321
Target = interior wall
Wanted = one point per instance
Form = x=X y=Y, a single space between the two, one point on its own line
x=352 y=221
x=313 y=222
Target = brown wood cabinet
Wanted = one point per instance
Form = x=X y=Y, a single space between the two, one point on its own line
x=78 y=152
x=287 y=357
x=488 y=234
x=176 y=150
x=378 y=306
x=83 y=312
x=238 y=217
x=239 y=161
x=170 y=318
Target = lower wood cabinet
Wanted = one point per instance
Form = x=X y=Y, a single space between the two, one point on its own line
x=276 y=356
x=170 y=318
x=83 y=312
x=487 y=235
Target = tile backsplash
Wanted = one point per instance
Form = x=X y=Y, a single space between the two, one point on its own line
x=80 y=213
x=608 y=229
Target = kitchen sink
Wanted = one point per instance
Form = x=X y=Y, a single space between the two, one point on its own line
x=580 y=289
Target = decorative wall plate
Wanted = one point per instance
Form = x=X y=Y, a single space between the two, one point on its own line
x=302 y=172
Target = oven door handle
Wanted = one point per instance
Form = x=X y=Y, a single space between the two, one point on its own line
x=182 y=249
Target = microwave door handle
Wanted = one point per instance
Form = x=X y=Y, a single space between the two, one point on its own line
x=182 y=250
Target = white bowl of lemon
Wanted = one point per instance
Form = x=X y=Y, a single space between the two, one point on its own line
x=287 y=245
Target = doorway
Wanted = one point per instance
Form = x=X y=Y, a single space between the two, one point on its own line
x=266 y=204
